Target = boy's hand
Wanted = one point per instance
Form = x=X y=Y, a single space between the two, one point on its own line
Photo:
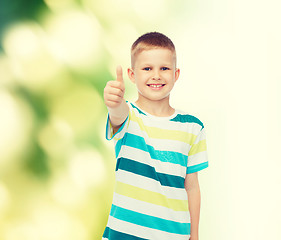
x=114 y=90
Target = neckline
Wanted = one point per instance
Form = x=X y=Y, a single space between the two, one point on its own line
x=156 y=117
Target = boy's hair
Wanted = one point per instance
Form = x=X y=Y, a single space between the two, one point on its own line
x=149 y=41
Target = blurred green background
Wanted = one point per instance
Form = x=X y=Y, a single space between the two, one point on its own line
x=57 y=169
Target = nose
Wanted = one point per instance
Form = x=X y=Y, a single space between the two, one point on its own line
x=156 y=75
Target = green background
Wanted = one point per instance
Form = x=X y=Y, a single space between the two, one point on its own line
x=56 y=170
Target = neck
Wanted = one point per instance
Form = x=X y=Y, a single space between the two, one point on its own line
x=156 y=108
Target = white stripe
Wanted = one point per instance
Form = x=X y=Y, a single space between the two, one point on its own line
x=142 y=232
x=150 y=209
x=150 y=184
x=201 y=136
x=144 y=157
x=197 y=158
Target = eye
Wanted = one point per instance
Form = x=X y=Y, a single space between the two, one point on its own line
x=147 y=69
x=164 y=68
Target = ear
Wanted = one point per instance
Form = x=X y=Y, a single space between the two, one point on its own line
x=131 y=75
x=177 y=74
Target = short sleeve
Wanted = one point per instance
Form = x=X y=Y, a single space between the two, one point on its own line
x=197 y=156
x=121 y=131
x=119 y=134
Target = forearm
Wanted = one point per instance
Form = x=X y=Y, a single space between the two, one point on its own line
x=118 y=114
x=194 y=201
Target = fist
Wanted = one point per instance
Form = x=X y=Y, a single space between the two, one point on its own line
x=114 y=90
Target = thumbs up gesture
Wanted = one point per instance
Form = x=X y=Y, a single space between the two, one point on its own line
x=114 y=90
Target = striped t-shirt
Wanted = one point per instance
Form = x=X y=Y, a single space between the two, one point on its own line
x=154 y=154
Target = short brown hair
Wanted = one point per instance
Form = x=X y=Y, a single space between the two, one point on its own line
x=149 y=41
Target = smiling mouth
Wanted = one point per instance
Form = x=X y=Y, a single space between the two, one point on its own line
x=155 y=85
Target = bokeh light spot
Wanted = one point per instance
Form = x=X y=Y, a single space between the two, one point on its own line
x=30 y=58
x=15 y=127
x=80 y=107
x=87 y=168
x=75 y=38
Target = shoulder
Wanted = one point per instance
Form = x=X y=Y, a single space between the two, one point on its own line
x=183 y=117
x=134 y=108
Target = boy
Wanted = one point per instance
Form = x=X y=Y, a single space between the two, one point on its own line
x=159 y=150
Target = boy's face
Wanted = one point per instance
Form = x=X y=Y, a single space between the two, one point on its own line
x=154 y=73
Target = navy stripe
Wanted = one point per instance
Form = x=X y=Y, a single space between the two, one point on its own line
x=187 y=119
x=150 y=221
x=115 y=235
x=149 y=172
x=135 y=141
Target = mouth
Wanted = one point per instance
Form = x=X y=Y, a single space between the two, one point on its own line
x=156 y=86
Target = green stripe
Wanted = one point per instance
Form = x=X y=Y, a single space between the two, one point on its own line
x=198 y=147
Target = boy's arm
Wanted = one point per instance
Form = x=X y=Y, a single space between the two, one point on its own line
x=194 y=199
x=113 y=98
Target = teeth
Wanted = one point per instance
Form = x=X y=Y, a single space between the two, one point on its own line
x=156 y=85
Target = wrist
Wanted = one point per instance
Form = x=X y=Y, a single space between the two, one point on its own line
x=194 y=238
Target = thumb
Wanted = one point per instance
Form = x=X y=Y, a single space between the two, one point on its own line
x=119 y=74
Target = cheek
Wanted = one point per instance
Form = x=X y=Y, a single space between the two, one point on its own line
x=140 y=84
x=169 y=75
x=141 y=78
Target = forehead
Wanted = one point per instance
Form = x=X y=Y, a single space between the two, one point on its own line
x=155 y=55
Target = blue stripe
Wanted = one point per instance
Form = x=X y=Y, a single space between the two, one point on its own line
x=111 y=234
x=149 y=221
x=140 y=111
x=107 y=128
x=135 y=141
x=187 y=119
x=149 y=172
x=197 y=167
x=118 y=146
